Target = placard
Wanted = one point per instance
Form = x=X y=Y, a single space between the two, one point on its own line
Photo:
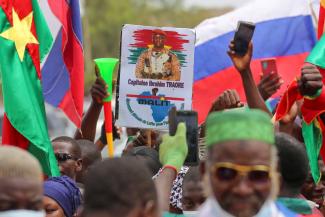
x=156 y=74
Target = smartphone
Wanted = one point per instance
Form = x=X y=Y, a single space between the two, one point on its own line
x=190 y=118
x=243 y=36
x=268 y=66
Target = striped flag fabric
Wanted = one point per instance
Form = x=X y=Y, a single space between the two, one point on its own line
x=24 y=40
x=63 y=69
x=282 y=31
x=321 y=19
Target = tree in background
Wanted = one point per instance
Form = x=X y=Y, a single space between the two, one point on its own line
x=103 y=21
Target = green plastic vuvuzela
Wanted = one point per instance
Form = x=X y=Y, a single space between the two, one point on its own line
x=106 y=68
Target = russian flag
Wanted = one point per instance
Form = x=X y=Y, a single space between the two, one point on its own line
x=63 y=69
x=284 y=30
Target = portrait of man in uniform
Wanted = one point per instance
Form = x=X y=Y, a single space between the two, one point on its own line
x=158 y=62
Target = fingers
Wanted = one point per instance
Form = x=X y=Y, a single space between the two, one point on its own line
x=181 y=129
x=99 y=90
x=240 y=104
x=227 y=98
x=100 y=81
x=313 y=84
x=309 y=66
x=231 y=52
x=230 y=99
x=310 y=72
x=307 y=76
x=237 y=98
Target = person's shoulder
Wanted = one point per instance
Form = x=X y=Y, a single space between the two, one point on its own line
x=285 y=211
x=145 y=52
x=172 y=54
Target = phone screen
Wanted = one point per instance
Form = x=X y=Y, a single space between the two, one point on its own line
x=268 y=66
x=243 y=36
x=190 y=118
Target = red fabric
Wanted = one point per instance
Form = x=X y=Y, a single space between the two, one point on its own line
x=205 y=91
x=287 y=100
x=10 y=136
x=311 y=108
x=74 y=60
x=67 y=107
x=321 y=21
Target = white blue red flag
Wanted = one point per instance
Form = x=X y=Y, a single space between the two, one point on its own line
x=63 y=69
x=284 y=30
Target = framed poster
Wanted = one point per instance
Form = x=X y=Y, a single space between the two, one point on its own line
x=156 y=73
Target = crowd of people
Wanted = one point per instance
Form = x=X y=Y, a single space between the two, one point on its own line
x=250 y=165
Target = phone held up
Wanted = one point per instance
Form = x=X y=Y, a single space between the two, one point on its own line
x=243 y=36
x=190 y=118
x=269 y=66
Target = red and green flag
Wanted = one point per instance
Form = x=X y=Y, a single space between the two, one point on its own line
x=313 y=127
x=25 y=39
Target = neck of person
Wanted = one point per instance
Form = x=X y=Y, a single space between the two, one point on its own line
x=289 y=192
x=157 y=49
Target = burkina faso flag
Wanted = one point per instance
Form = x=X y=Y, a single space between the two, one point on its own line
x=24 y=40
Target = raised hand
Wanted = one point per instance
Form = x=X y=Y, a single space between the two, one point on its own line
x=241 y=63
x=269 y=84
x=310 y=81
x=227 y=100
x=98 y=91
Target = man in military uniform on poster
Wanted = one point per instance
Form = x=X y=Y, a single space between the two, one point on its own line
x=158 y=62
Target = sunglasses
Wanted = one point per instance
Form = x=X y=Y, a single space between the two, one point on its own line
x=62 y=157
x=228 y=172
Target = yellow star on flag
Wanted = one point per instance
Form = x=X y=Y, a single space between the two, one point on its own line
x=20 y=33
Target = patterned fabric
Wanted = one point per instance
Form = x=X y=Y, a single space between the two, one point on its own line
x=162 y=65
x=176 y=192
x=202 y=149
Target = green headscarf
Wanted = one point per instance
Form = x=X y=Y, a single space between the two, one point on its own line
x=239 y=124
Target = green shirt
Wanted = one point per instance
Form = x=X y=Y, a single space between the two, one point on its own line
x=167 y=214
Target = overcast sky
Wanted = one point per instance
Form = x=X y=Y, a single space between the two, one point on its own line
x=217 y=3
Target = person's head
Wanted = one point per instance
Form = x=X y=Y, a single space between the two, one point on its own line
x=149 y=156
x=192 y=190
x=61 y=197
x=241 y=160
x=21 y=182
x=68 y=155
x=145 y=137
x=158 y=38
x=293 y=164
x=315 y=191
x=89 y=155
x=119 y=187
